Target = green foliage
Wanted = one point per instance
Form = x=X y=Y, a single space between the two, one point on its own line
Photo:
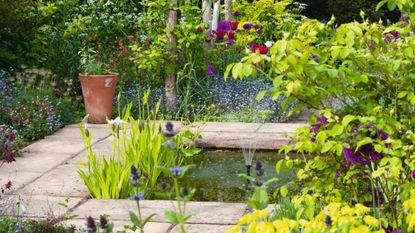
x=31 y=226
x=90 y=63
x=273 y=16
x=360 y=77
x=141 y=143
x=347 y=11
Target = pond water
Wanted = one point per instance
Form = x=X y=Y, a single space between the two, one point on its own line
x=216 y=175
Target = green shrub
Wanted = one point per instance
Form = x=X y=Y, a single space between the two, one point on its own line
x=31 y=226
x=347 y=11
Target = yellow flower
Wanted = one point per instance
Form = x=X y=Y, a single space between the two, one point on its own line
x=252 y=228
x=410 y=219
x=285 y=225
x=361 y=209
x=234 y=229
x=265 y=227
x=371 y=221
x=243 y=220
x=360 y=229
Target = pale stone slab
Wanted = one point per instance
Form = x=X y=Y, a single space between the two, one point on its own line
x=280 y=128
x=202 y=228
x=72 y=131
x=239 y=140
x=18 y=178
x=206 y=212
x=231 y=127
x=37 y=162
x=150 y=227
x=56 y=145
x=38 y=206
x=62 y=181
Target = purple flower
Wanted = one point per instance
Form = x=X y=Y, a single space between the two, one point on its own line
x=388 y=39
x=247 y=26
x=216 y=76
x=224 y=26
x=210 y=70
x=395 y=34
x=259 y=32
x=350 y=155
x=382 y=135
x=83 y=42
x=230 y=42
x=256 y=26
x=138 y=197
x=413 y=174
x=238 y=30
x=176 y=171
x=236 y=14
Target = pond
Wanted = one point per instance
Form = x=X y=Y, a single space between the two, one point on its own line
x=216 y=175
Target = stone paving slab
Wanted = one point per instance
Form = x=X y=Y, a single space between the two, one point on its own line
x=231 y=127
x=37 y=162
x=205 y=228
x=39 y=206
x=207 y=212
x=62 y=181
x=280 y=128
x=232 y=140
x=150 y=227
x=72 y=131
x=56 y=145
x=19 y=178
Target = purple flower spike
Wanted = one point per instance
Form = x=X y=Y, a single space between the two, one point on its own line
x=247 y=26
x=256 y=26
x=238 y=30
x=259 y=32
x=413 y=174
x=230 y=42
x=236 y=14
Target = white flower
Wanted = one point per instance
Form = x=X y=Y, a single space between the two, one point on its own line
x=269 y=43
x=117 y=121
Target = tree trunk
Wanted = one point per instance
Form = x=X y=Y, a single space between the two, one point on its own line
x=228 y=10
x=170 y=81
x=207 y=14
x=216 y=11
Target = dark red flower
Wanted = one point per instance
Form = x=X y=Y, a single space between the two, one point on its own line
x=231 y=35
x=9 y=158
x=263 y=49
x=8 y=185
x=199 y=30
x=220 y=35
x=234 y=25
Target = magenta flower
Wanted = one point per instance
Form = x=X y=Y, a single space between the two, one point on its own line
x=210 y=70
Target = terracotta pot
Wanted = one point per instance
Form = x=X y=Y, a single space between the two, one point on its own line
x=98 y=92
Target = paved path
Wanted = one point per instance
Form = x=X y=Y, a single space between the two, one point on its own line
x=45 y=176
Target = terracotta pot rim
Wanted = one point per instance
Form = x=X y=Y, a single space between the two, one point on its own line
x=109 y=74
